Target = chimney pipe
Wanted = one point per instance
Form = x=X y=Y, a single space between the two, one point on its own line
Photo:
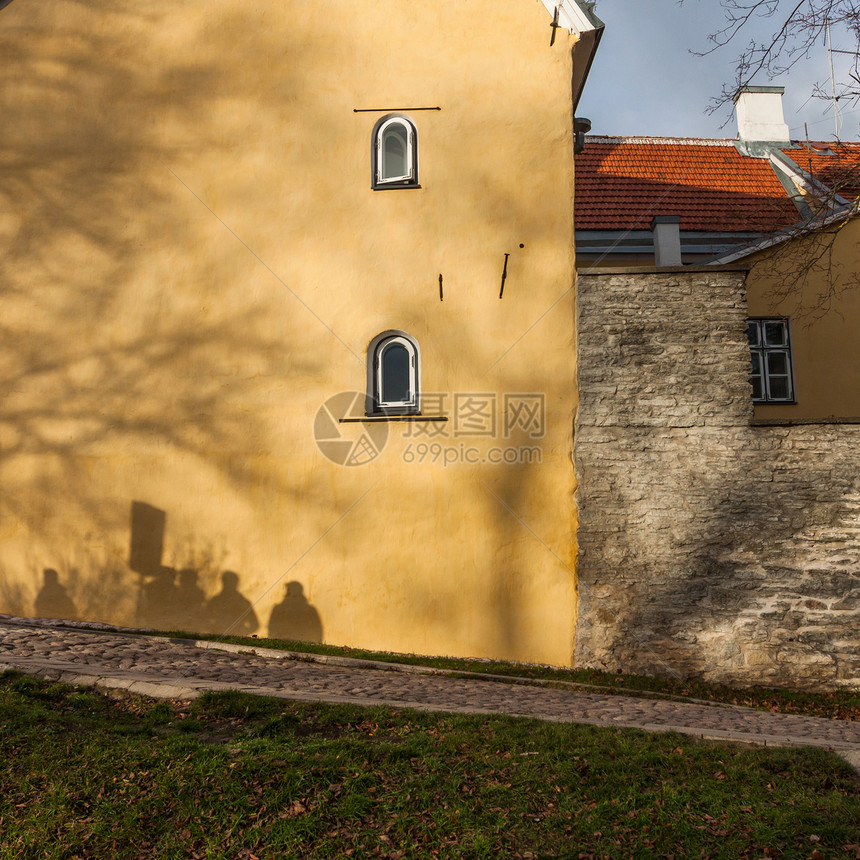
x=581 y=127
x=760 y=115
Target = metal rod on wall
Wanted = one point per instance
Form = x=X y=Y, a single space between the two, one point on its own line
x=504 y=276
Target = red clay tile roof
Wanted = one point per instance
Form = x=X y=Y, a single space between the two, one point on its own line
x=622 y=183
x=837 y=165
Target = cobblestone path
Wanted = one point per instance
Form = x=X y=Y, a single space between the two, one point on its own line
x=184 y=668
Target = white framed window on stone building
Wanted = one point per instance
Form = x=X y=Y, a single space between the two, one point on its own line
x=394 y=151
x=771 y=375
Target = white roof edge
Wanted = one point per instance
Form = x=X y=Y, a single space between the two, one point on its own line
x=572 y=15
x=686 y=141
x=834 y=201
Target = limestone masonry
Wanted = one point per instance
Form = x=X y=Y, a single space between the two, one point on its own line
x=708 y=547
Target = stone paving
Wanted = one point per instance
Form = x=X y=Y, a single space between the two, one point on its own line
x=183 y=668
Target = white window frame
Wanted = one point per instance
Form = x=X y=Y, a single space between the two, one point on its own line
x=763 y=349
x=408 y=179
x=375 y=404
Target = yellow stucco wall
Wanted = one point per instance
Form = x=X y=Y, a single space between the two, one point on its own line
x=192 y=262
x=815 y=282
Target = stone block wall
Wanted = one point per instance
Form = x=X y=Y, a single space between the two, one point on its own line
x=708 y=547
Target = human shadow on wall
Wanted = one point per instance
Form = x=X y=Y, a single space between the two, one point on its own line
x=189 y=601
x=295 y=618
x=229 y=612
x=172 y=599
x=145 y=553
x=53 y=600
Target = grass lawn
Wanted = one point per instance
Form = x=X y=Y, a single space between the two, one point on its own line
x=235 y=776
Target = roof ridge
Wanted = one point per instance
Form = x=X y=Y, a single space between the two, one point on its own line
x=689 y=141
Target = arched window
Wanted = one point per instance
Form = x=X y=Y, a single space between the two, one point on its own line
x=395 y=153
x=393 y=374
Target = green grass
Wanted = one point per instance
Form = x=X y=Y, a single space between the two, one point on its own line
x=234 y=776
x=840 y=704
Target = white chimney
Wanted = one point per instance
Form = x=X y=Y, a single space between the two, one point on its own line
x=760 y=115
x=667 y=240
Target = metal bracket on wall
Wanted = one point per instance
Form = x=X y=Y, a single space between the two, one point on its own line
x=555 y=26
x=386 y=110
x=504 y=276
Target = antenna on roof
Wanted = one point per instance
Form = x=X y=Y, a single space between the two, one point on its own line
x=832 y=81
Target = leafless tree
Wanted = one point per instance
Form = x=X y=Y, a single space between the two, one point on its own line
x=808 y=273
x=798 y=26
x=807 y=268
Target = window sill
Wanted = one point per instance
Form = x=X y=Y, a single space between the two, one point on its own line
x=375 y=419
x=394 y=187
x=798 y=422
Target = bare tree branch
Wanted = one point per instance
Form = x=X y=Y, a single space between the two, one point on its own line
x=797 y=28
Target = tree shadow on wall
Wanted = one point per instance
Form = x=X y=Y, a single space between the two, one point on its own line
x=105 y=346
x=730 y=571
x=780 y=548
x=483 y=587
x=15 y=599
x=105 y=350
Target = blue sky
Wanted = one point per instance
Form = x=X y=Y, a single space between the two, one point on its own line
x=646 y=81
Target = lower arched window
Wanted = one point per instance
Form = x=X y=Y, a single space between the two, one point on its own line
x=393 y=372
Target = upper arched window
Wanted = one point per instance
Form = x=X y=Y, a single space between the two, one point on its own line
x=393 y=372
x=395 y=153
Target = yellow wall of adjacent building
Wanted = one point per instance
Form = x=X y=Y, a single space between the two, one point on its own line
x=814 y=282
x=192 y=262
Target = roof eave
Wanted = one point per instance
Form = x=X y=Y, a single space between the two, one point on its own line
x=818 y=223
x=584 y=52
x=577 y=17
